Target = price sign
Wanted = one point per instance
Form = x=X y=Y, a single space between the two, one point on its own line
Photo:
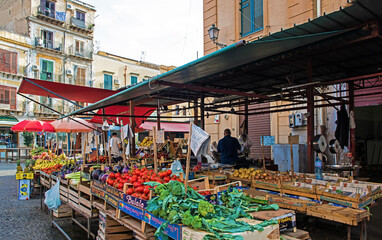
x=295 y=139
x=160 y=136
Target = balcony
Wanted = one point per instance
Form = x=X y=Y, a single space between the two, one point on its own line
x=48 y=45
x=85 y=54
x=80 y=26
x=49 y=16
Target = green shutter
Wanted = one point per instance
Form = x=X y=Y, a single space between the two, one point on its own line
x=108 y=81
x=246 y=17
x=134 y=80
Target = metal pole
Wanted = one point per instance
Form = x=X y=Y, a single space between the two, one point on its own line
x=196 y=111
x=246 y=117
x=310 y=120
x=158 y=114
x=202 y=120
x=132 y=124
x=351 y=108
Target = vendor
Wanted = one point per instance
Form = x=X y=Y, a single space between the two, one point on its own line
x=228 y=147
x=115 y=147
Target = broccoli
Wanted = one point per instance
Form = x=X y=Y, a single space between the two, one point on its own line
x=187 y=218
x=159 y=189
x=197 y=223
x=164 y=194
x=173 y=216
x=162 y=214
x=156 y=212
x=205 y=208
x=176 y=188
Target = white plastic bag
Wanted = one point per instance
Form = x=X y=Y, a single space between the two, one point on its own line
x=176 y=168
x=52 y=197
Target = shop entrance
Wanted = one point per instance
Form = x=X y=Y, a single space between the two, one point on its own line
x=369 y=139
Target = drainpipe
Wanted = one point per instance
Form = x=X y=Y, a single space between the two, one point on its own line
x=318 y=6
x=125 y=76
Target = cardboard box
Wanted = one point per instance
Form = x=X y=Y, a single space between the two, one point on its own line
x=286 y=218
x=270 y=233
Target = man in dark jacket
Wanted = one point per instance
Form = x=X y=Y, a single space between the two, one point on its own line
x=228 y=147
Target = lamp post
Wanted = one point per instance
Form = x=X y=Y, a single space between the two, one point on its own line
x=213 y=33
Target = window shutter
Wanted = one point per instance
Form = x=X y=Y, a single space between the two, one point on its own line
x=246 y=16
x=42 y=6
x=258 y=14
x=14 y=62
x=52 y=9
x=134 y=80
x=13 y=98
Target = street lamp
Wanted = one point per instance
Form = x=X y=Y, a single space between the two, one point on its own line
x=213 y=33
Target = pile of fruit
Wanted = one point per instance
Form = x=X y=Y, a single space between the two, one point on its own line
x=146 y=142
x=94 y=159
x=28 y=166
x=276 y=178
x=246 y=173
x=204 y=192
x=135 y=179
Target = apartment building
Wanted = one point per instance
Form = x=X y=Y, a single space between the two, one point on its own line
x=250 y=20
x=61 y=33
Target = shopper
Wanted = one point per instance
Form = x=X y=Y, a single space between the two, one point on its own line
x=228 y=147
x=115 y=147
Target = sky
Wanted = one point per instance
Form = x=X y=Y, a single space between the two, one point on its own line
x=170 y=32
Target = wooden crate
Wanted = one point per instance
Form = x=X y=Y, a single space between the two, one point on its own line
x=63 y=211
x=200 y=183
x=299 y=189
x=347 y=216
x=224 y=187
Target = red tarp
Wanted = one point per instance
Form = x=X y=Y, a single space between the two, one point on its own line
x=83 y=94
x=68 y=91
x=124 y=110
x=167 y=127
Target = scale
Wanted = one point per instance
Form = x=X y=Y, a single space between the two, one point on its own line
x=335 y=149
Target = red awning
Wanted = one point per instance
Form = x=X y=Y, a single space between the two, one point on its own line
x=167 y=127
x=124 y=110
x=68 y=91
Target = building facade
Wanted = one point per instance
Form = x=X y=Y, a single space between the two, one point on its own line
x=61 y=34
x=250 y=20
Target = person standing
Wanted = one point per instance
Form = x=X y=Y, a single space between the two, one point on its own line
x=115 y=147
x=228 y=147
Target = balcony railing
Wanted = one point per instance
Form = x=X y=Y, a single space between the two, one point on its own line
x=46 y=11
x=78 y=23
x=85 y=53
x=39 y=42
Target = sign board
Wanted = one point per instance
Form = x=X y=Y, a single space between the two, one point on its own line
x=131 y=210
x=174 y=231
x=295 y=139
x=268 y=140
x=24 y=189
x=22 y=175
x=160 y=136
x=134 y=201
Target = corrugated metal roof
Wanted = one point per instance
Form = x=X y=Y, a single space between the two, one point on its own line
x=261 y=66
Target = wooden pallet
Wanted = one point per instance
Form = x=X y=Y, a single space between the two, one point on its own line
x=347 y=216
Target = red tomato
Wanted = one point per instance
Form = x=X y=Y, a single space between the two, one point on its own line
x=119 y=179
x=208 y=192
x=111 y=175
x=139 y=189
x=166 y=179
x=146 y=190
x=145 y=197
x=134 y=179
x=129 y=191
x=195 y=188
x=120 y=185
x=137 y=184
x=117 y=175
x=169 y=172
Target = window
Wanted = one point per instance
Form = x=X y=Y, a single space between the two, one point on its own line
x=46 y=70
x=251 y=16
x=48 y=8
x=80 y=47
x=8 y=61
x=80 y=15
x=108 y=81
x=47 y=38
x=80 y=75
x=8 y=96
x=134 y=80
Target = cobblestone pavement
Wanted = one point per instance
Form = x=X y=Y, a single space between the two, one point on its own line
x=24 y=220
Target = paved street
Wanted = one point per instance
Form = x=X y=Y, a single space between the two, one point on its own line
x=24 y=220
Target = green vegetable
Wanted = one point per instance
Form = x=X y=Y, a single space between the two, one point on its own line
x=205 y=208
